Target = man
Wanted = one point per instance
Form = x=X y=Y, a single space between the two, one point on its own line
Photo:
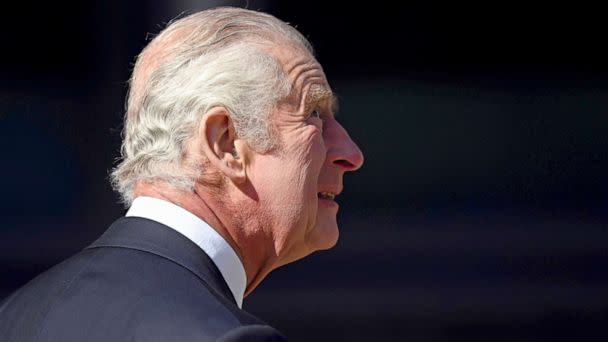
x=231 y=162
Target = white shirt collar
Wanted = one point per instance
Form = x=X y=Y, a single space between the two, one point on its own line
x=203 y=235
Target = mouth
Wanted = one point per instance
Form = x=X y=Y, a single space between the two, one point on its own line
x=326 y=195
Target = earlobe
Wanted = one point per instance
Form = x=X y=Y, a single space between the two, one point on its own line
x=219 y=144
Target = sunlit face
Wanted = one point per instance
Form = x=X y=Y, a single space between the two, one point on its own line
x=296 y=183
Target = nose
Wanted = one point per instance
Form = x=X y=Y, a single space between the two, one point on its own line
x=341 y=149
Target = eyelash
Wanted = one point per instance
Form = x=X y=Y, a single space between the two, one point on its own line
x=311 y=115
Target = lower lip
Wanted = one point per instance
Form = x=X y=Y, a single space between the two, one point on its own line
x=328 y=203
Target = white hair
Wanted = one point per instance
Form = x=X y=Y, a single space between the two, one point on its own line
x=217 y=57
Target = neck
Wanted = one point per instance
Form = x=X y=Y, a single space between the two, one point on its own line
x=242 y=234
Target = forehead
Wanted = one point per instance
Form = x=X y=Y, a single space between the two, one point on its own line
x=305 y=75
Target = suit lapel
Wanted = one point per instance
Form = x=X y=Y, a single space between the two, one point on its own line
x=153 y=237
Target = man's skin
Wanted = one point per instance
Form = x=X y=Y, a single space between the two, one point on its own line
x=269 y=206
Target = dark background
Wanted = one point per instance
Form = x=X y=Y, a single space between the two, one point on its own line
x=479 y=215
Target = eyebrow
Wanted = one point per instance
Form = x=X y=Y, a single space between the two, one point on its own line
x=319 y=94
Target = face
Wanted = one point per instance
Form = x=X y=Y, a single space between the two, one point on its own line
x=297 y=183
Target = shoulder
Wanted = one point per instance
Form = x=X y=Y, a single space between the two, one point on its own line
x=117 y=294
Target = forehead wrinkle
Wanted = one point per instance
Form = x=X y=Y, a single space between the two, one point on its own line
x=300 y=88
x=308 y=84
x=299 y=74
x=293 y=62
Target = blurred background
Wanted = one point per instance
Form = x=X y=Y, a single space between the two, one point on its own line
x=479 y=215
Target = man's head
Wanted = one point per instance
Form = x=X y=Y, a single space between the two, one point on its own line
x=230 y=106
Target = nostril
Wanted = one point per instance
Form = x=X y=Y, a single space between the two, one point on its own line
x=344 y=163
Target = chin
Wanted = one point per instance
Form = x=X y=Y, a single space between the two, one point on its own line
x=326 y=236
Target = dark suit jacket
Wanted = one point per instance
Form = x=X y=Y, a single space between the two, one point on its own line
x=140 y=281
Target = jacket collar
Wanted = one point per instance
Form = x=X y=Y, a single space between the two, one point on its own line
x=153 y=237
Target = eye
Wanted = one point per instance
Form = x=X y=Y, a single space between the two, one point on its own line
x=315 y=114
x=316 y=118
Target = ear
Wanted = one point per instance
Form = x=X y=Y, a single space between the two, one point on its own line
x=219 y=144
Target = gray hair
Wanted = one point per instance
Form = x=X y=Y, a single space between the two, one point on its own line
x=217 y=57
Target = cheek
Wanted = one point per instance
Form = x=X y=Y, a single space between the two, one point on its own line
x=316 y=150
x=315 y=158
x=306 y=154
x=288 y=180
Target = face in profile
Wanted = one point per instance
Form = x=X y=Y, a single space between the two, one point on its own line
x=298 y=183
